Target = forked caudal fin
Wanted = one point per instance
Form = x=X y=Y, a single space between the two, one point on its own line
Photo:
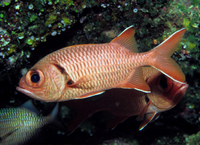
x=161 y=57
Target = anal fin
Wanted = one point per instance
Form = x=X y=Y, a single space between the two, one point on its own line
x=137 y=82
x=90 y=95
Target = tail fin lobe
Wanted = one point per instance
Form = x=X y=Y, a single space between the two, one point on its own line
x=161 y=57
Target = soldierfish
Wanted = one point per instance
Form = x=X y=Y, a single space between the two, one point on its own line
x=82 y=71
x=18 y=125
x=122 y=104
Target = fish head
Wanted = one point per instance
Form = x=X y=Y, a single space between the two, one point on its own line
x=43 y=82
x=165 y=92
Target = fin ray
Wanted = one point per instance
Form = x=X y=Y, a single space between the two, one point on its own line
x=142 y=113
x=137 y=81
x=29 y=105
x=4 y=132
x=148 y=118
x=127 y=39
x=90 y=95
x=162 y=61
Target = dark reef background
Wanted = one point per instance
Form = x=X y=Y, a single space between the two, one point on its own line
x=29 y=30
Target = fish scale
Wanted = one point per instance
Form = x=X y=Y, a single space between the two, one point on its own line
x=92 y=64
x=96 y=83
x=17 y=125
x=96 y=80
x=13 y=114
x=89 y=69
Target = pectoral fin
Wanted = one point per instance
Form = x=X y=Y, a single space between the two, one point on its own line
x=148 y=118
x=143 y=112
x=75 y=84
x=137 y=82
x=81 y=83
x=155 y=117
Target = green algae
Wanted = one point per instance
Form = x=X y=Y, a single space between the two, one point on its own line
x=52 y=18
x=33 y=17
x=4 y=3
x=193 y=139
x=29 y=41
x=67 y=21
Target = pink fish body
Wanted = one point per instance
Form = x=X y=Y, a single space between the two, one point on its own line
x=81 y=71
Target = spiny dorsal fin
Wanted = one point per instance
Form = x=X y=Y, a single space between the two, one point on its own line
x=127 y=39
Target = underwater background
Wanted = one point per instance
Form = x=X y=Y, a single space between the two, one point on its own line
x=29 y=30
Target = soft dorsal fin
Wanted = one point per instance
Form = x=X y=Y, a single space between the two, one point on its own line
x=127 y=39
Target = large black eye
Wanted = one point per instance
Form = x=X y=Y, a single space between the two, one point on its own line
x=163 y=82
x=35 y=78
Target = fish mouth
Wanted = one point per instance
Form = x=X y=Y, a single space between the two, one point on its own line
x=180 y=93
x=28 y=93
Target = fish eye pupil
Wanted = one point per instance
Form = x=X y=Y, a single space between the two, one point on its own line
x=35 y=78
x=163 y=82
